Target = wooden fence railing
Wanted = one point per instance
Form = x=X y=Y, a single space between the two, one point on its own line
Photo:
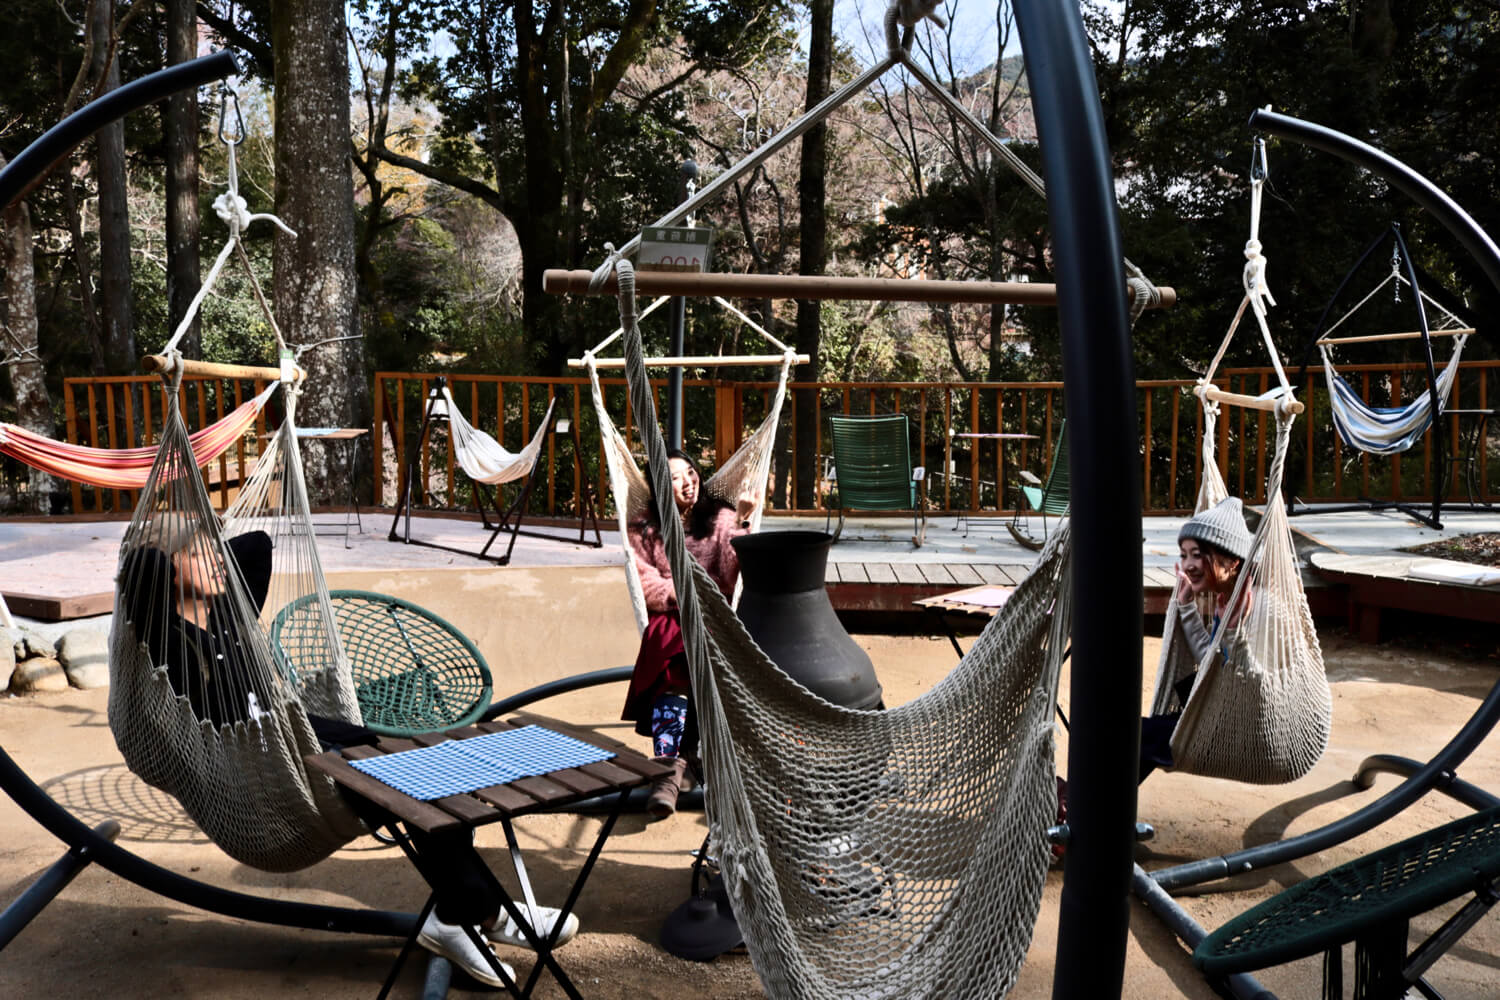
x=965 y=473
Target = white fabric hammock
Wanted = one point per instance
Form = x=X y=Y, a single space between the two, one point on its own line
x=242 y=779
x=484 y=459
x=747 y=470
x=874 y=854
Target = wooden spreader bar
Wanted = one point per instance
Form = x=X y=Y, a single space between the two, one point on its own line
x=1369 y=338
x=161 y=363
x=1268 y=404
x=700 y=361
x=791 y=286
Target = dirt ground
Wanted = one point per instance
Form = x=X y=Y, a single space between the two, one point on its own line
x=105 y=936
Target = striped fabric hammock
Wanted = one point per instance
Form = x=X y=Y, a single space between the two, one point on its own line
x=124 y=468
x=1384 y=430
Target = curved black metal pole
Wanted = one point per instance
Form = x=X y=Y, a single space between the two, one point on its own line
x=36 y=159
x=1406 y=180
x=1106 y=521
x=130 y=866
x=1437 y=771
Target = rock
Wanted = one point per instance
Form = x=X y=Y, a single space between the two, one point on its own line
x=7 y=664
x=39 y=673
x=84 y=654
x=33 y=644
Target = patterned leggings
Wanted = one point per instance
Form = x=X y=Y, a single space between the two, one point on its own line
x=668 y=720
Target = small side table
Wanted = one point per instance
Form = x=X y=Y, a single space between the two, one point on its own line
x=348 y=436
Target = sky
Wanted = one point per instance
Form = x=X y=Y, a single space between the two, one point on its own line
x=859 y=23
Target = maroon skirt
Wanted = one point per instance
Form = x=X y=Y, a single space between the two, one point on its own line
x=660 y=665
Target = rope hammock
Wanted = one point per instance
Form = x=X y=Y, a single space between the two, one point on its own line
x=125 y=468
x=873 y=853
x=745 y=471
x=1260 y=708
x=482 y=458
x=198 y=704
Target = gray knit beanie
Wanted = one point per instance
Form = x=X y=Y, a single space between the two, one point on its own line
x=1222 y=526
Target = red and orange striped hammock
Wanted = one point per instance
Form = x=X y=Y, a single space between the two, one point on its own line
x=123 y=468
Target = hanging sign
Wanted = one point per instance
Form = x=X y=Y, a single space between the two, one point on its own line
x=674 y=248
x=288 y=367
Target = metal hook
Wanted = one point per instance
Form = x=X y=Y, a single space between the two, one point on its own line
x=1260 y=168
x=228 y=97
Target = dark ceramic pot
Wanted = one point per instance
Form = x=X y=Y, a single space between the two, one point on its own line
x=787 y=612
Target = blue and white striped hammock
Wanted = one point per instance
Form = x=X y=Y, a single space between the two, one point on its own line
x=1385 y=430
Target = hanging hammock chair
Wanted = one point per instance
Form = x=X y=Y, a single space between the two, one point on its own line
x=745 y=471
x=1388 y=430
x=874 y=853
x=198 y=705
x=482 y=458
x=1261 y=711
x=125 y=468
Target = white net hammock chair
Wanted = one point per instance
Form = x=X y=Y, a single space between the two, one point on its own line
x=198 y=704
x=1263 y=713
x=745 y=471
x=874 y=854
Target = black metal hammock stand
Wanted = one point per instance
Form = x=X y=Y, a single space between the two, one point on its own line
x=1394 y=429
x=1087 y=254
x=1440 y=773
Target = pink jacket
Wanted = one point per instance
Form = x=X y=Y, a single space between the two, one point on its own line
x=712 y=551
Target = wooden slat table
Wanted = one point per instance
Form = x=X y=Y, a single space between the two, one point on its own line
x=499 y=804
x=954 y=603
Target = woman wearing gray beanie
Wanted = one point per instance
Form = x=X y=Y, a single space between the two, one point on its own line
x=1212 y=549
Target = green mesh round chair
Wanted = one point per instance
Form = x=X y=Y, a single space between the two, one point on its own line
x=413 y=671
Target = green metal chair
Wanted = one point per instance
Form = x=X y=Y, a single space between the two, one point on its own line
x=873 y=470
x=413 y=671
x=1369 y=901
x=1036 y=497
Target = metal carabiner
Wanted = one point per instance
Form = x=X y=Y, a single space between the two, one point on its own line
x=228 y=97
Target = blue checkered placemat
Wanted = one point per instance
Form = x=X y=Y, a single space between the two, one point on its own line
x=460 y=766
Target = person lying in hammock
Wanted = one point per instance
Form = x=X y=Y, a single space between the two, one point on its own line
x=177 y=600
x=1213 y=547
x=657 y=701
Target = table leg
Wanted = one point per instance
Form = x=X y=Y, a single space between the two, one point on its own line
x=406 y=947
x=544 y=947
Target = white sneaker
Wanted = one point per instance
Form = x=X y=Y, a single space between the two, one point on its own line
x=507 y=931
x=450 y=941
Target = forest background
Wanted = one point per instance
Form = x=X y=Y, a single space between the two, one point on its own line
x=436 y=156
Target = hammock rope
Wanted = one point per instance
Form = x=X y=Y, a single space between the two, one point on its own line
x=125 y=468
x=895 y=853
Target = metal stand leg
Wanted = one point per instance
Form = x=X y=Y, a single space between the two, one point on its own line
x=52 y=881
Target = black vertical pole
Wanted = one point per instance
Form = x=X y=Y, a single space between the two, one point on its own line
x=677 y=318
x=1099 y=391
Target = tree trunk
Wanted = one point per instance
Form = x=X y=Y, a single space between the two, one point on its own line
x=814 y=246
x=181 y=127
x=314 y=273
x=33 y=407
x=118 y=329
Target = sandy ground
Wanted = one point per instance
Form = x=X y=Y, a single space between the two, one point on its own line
x=108 y=937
